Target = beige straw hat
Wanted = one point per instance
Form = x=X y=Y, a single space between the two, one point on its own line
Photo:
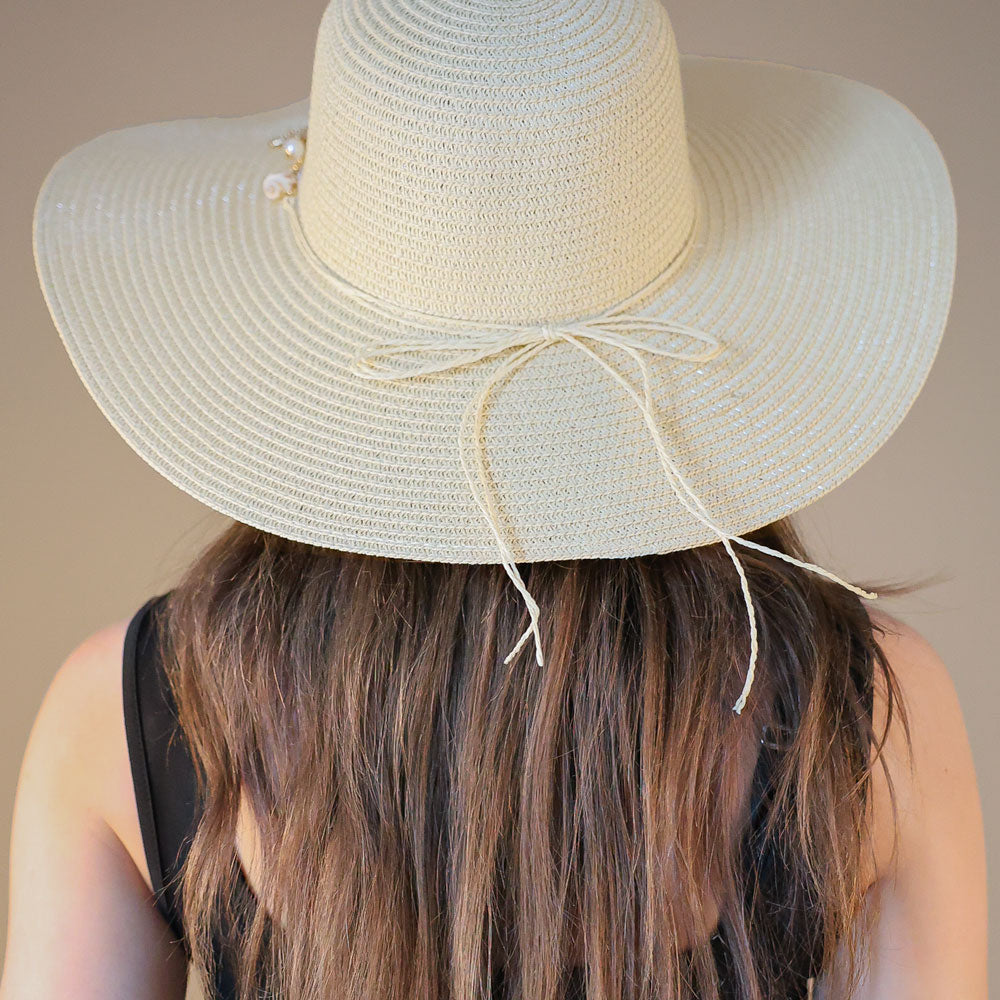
x=516 y=282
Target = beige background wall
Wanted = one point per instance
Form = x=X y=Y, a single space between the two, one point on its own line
x=89 y=531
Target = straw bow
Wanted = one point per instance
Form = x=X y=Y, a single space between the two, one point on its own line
x=614 y=330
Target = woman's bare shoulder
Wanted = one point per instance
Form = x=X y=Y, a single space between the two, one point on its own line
x=81 y=909
x=929 y=894
x=933 y=719
x=78 y=737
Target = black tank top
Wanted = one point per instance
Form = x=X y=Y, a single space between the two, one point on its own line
x=163 y=775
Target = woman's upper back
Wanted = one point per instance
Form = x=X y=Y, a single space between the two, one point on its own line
x=79 y=855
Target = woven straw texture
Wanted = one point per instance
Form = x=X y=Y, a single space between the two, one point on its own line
x=516 y=161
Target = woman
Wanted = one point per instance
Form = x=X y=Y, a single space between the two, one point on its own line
x=513 y=313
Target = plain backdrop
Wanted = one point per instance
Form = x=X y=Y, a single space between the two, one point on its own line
x=89 y=531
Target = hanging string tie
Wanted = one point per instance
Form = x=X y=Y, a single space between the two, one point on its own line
x=529 y=341
x=614 y=328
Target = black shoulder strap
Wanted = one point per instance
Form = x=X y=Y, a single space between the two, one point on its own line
x=163 y=776
x=162 y=769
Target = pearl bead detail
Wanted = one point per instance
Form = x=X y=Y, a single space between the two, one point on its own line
x=295 y=149
x=293 y=145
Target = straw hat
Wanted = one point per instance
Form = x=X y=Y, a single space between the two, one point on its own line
x=516 y=282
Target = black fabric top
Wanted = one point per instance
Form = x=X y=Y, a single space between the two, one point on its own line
x=163 y=776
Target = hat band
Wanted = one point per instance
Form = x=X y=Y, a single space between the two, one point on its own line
x=479 y=341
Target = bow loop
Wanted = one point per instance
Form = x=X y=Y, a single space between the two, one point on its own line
x=616 y=329
x=455 y=353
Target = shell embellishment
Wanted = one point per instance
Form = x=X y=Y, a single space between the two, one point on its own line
x=285 y=182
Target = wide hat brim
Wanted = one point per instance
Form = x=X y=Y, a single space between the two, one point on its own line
x=823 y=260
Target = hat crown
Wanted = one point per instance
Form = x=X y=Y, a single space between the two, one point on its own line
x=497 y=160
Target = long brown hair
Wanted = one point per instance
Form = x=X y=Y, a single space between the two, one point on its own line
x=431 y=818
